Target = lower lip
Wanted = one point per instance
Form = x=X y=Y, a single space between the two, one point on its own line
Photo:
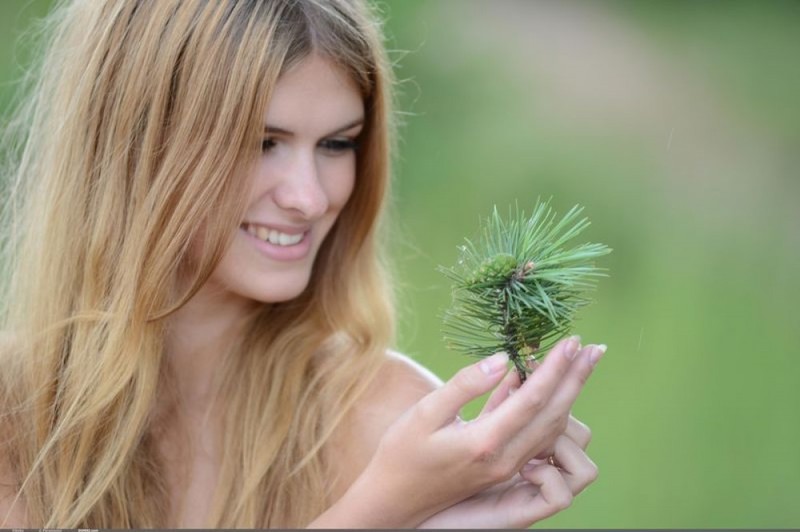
x=281 y=253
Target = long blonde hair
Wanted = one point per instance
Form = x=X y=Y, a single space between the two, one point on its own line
x=144 y=117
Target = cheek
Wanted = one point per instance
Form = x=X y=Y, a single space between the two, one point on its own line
x=196 y=247
x=341 y=184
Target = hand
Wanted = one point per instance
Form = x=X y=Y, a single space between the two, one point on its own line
x=538 y=491
x=430 y=459
x=576 y=430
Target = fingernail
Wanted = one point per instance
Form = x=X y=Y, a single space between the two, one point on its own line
x=494 y=364
x=572 y=347
x=597 y=353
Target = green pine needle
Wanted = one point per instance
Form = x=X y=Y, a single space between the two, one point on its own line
x=517 y=289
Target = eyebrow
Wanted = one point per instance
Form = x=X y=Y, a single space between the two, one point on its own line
x=280 y=131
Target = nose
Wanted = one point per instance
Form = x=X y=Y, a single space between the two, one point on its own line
x=300 y=189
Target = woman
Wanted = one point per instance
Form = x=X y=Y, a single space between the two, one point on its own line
x=198 y=314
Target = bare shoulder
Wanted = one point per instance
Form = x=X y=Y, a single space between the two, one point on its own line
x=398 y=385
x=402 y=381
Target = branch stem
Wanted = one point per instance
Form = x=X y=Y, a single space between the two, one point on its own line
x=510 y=338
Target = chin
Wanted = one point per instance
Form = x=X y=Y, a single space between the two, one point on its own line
x=280 y=296
x=278 y=290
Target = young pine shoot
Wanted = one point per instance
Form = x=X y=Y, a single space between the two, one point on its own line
x=518 y=287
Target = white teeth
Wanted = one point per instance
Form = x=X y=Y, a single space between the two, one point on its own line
x=273 y=236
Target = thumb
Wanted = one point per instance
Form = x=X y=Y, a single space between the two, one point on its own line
x=442 y=405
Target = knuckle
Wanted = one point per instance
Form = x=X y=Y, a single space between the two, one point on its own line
x=557 y=424
x=561 y=496
x=563 y=500
x=486 y=450
x=501 y=470
x=491 y=455
x=591 y=473
x=586 y=477
x=424 y=410
x=535 y=401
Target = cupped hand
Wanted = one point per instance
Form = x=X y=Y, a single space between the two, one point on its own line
x=539 y=490
x=431 y=459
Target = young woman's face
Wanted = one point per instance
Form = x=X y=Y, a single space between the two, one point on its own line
x=300 y=184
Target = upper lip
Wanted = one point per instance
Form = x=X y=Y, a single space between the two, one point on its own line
x=288 y=229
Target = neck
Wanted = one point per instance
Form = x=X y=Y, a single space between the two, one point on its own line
x=198 y=337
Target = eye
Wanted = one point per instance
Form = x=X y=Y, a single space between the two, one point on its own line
x=267 y=145
x=339 y=146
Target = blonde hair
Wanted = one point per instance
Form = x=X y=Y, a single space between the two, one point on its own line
x=144 y=117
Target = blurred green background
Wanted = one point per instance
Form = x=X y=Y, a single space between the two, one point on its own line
x=677 y=125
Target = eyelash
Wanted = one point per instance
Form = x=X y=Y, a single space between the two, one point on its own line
x=333 y=145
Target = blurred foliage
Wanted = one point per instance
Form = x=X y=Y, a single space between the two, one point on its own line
x=676 y=124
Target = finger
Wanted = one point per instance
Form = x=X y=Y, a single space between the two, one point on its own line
x=554 y=494
x=516 y=411
x=578 y=432
x=538 y=438
x=566 y=394
x=577 y=468
x=443 y=404
x=509 y=384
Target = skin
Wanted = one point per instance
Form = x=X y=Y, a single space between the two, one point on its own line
x=486 y=473
x=302 y=180
x=404 y=440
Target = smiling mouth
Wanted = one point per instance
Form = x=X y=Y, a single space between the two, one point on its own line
x=273 y=236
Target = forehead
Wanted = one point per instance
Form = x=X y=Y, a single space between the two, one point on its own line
x=314 y=95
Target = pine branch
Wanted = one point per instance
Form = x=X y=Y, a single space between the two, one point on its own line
x=518 y=288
